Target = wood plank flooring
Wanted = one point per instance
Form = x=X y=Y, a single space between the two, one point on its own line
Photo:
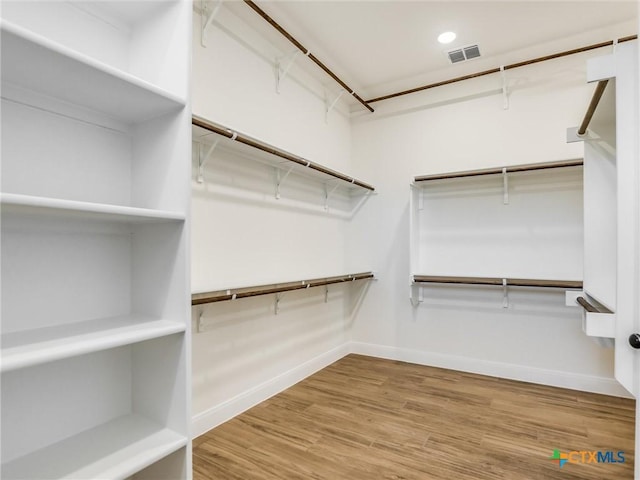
x=364 y=418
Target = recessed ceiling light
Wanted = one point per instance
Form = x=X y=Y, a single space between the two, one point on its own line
x=446 y=37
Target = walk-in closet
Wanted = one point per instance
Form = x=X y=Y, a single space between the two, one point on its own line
x=272 y=240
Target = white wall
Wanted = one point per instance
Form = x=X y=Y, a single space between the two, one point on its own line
x=460 y=127
x=243 y=236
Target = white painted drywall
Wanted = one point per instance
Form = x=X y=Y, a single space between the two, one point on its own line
x=243 y=236
x=462 y=127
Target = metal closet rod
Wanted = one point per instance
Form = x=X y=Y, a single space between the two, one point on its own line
x=512 y=282
x=232 y=294
x=592 y=307
x=233 y=135
x=506 y=67
x=595 y=100
x=494 y=171
x=304 y=50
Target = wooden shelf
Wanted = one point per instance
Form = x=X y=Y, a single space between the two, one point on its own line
x=36 y=63
x=203 y=127
x=43 y=345
x=512 y=282
x=231 y=294
x=32 y=205
x=114 y=450
x=496 y=171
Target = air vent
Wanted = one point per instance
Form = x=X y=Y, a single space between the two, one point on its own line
x=463 y=53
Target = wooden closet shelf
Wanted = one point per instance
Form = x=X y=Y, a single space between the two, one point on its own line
x=264 y=147
x=231 y=294
x=494 y=171
x=512 y=282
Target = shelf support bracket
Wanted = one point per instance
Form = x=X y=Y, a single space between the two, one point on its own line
x=505 y=294
x=326 y=294
x=415 y=294
x=280 y=180
x=505 y=91
x=200 y=324
x=330 y=104
x=328 y=193
x=207 y=17
x=276 y=304
x=505 y=186
x=203 y=158
x=283 y=65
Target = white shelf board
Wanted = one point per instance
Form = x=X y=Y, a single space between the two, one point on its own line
x=32 y=205
x=36 y=63
x=114 y=450
x=32 y=347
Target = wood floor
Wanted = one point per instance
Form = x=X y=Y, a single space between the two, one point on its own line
x=364 y=418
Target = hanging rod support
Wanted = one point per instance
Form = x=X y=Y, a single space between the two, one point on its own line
x=280 y=180
x=330 y=104
x=200 y=324
x=204 y=158
x=505 y=92
x=505 y=186
x=326 y=294
x=283 y=65
x=276 y=305
x=207 y=17
x=505 y=294
x=328 y=193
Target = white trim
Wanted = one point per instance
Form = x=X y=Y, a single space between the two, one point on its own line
x=554 y=378
x=218 y=414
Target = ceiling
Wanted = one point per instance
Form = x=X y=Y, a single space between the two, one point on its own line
x=381 y=47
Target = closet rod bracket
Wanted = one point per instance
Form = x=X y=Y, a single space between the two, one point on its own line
x=280 y=180
x=505 y=294
x=505 y=186
x=328 y=193
x=283 y=66
x=415 y=294
x=331 y=103
x=204 y=158
x=208 y=14
x=505 y=91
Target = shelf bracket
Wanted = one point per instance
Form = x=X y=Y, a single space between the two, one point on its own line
x=283 y=65
x=615 y=45
x=207 y=17
x=505 y=294
x=505 y=91
x=200 y=324
x=280 y=180
x=326 y=294
x=328 y=193
x=330 y=104
x=276 y=304
x=505 y=186
x=415 y=294
x=203 y=158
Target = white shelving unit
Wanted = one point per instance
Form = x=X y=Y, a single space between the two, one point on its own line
x=490 y=226
x=96 y=145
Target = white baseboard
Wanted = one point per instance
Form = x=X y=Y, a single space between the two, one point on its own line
x=554 y=378
x=218 y=414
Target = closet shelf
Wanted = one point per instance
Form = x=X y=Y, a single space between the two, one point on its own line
x=495 y=171
x=36 y=63
x=231 y=294
x=114 y=450
x=512 y=282
x=275 y=156
x=42 y=345
x=32 y=205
